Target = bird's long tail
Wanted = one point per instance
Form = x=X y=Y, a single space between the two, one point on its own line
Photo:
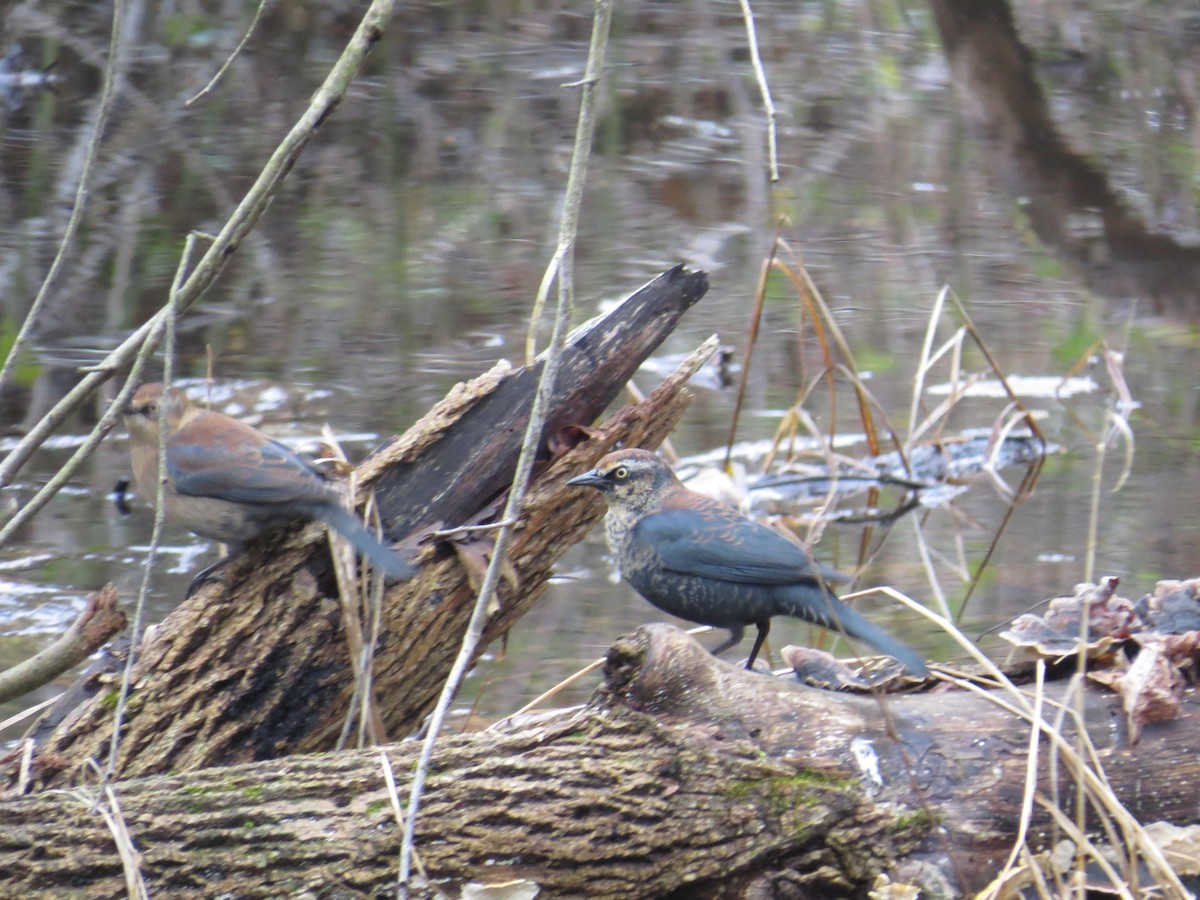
x=830 y=612
x=348 y=526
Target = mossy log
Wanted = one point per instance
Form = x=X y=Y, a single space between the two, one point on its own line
x=685 y=776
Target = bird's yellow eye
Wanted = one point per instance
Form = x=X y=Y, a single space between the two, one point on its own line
x=620 y=473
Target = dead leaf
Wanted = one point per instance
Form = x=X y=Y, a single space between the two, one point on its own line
x=824 y=670
x=1151 y=689
x=475 y=555
x=1172 y=607
x=1110 y=619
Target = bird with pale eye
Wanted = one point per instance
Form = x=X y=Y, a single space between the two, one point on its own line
x=229 y=482
x=700 y=560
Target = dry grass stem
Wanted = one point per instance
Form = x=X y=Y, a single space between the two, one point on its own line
x=24 y=714
x=760 y=295
x=1082 y=763
x=389 y=778
x=110 y=810
x=28 y=746
x=547 y=694
x=1031 y=781
x=355 y=595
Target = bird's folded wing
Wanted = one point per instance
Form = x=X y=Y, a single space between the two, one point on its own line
x=253 y=470
x=710 y=544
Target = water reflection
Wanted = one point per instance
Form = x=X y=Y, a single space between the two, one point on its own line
x=402 y=254
x=1069 y=201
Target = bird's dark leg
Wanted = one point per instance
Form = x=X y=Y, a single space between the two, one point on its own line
x=208 y=573
x=763 y=627
x=735 y=635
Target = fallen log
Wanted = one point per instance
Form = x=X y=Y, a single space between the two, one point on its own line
x=683 y=774
x=256 y=666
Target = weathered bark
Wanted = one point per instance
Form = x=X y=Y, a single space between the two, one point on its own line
x=686 y=775
x=257 y=667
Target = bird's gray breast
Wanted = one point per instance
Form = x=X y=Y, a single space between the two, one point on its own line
x=641 y=567
x=617 y=527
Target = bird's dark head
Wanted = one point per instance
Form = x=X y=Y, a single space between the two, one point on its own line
x=629 y=477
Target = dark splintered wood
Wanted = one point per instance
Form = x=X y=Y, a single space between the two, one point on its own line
x=474 y=462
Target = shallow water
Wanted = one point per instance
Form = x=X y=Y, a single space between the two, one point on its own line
x=404 y=250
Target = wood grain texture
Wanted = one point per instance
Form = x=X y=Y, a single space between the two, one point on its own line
x=258 y=667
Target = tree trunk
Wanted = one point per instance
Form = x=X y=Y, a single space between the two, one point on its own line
x=258 y=667
x=685 y=776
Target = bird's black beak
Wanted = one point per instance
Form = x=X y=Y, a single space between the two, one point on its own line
x=588 y=479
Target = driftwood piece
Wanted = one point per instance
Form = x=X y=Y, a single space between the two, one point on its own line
x=258 y=667
x=430 y=476
x=684 y=773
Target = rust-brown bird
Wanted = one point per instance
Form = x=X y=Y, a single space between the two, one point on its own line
x=229 y=482
x=700 y=560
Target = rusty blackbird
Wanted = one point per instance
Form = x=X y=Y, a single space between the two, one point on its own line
x=701 y=560
x=230 y=482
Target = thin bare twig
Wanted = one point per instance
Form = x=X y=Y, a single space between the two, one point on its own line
x=113 y=71
x=760 y=76
x=237 y=51
x=236 y=228
x=568 y=228
x=99 y=621
x=64 y=473
x=160 y=512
